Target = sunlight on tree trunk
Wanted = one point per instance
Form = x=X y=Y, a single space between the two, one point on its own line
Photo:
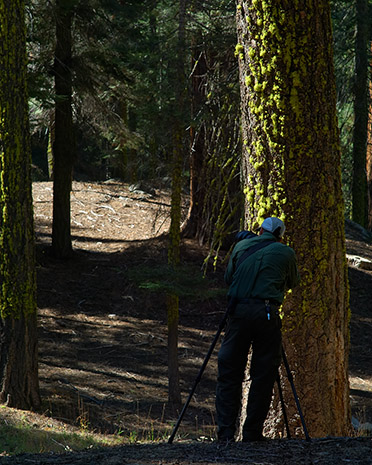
x=369 y=171
x=291 y=169
x=369 y=152
x=19 y=385
x=50 y=149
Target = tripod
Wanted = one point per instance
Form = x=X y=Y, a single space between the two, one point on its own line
x=290 y=379
x=201 y=371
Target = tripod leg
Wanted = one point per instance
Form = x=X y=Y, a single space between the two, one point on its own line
x=290 y=379
x=198 y=378
x=283 y=407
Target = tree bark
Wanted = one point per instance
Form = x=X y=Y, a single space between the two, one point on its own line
x=369 y=155
x=174 y=392
x=18 y=327
x=369 y=165
x=291 y=169
x=63 y=144
x=19 y=362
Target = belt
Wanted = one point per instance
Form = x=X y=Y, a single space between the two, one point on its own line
x=266 y=302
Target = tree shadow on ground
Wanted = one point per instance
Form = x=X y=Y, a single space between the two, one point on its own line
x=103 y=343
x=103 y=340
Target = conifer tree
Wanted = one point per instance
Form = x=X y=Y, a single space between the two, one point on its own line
x=215 y=194
x=343 y=25
x=291 y=169
x=63 y=146
x=18 y=327
x=359 y=186
x=174 y=232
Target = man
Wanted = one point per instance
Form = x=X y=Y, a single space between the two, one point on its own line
x=257 y=286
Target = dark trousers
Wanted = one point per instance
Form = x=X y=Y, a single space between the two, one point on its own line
x=249 y=326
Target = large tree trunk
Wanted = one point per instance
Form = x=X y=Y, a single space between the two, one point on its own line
x=63 y=144
x=291 y=169
x=359 y=186
x=18 y=328
x=19 y=362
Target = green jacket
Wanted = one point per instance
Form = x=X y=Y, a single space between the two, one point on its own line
x=266 y=274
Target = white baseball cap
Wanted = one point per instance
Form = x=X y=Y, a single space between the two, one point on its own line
x=273 y=224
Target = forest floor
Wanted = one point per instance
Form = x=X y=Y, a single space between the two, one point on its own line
x=103 y=338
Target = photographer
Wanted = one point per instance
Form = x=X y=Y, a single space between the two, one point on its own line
x=259 y=272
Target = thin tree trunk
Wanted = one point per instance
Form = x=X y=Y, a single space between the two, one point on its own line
x=63 y=145
x=369 y=153
x=174 y=392
x=174 y=232
x=359 y=185
x=369 y=170
x=50 y=147
x=215 y=194
x=192 y=226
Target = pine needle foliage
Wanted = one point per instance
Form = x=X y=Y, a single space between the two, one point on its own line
x=185 y=281
x=344 y=24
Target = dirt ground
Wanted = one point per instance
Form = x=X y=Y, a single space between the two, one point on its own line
x=103 y=360
x=357 y=451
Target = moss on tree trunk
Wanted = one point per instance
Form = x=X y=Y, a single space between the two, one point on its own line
x=18 y=328
x=291 y=169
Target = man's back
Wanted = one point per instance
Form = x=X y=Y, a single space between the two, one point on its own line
x=266 y=274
